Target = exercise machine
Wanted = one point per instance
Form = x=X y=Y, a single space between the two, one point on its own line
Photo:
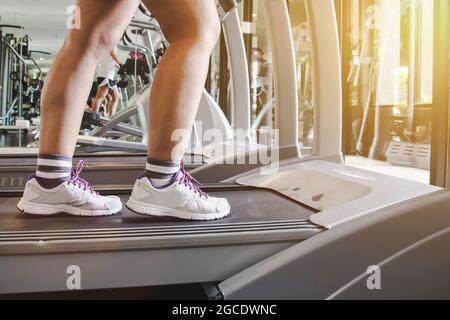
x=210 y=116
x=19 y=91
x=309 y=227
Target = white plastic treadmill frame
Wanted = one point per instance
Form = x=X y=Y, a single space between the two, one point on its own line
x=383 y=190
x=327 y=82
x=240 y=82
x=284 y=71
x=327 y=87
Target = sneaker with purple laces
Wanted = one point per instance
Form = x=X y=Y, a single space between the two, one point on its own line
x=182 y=198
x=74 y=197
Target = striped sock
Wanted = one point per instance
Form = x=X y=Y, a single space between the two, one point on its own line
x=161 y=172
x=53 y=170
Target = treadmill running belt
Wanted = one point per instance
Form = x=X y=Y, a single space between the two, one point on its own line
x=247 y=206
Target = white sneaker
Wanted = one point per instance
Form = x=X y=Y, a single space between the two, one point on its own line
x=181 y=199
x=74 y=197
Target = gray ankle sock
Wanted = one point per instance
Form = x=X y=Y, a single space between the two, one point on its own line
x=53 y=170
x=161 y=172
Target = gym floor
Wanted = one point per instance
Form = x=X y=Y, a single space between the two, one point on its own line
x=414 y=174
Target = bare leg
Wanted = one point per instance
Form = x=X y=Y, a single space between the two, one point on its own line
x=70 y=79
x=108 y=99
x=192 y=27
x=114 y=102
x=100 y=97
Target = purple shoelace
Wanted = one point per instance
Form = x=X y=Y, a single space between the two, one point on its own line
x=185 y=178
x=76 y=180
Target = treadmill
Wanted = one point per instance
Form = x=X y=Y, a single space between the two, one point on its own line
x=311 y=229
x=15 y=168
x=108 y=171
x=261 y=224
x=283 y=240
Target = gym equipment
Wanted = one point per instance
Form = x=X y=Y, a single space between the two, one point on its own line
x=19 y=93
x=404 y=244
x=292 y=234
x=11 y=63
x=19 y=99
x=383 y=133
x=209 y=115
x=261 y=245
x=409 y=154
x=411 y=148
x=15 y=168
x=201 y=162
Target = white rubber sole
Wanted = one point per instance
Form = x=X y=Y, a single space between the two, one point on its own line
x=48 y=210
x=153 y=210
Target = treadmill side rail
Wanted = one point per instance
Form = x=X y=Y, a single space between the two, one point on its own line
x=338 y=262
x=110 y=268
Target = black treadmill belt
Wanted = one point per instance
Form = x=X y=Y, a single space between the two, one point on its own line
x=248 y=206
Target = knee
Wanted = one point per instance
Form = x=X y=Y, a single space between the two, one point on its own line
x=102 y=91
x=116 y=96
x=95 y=44
x=209 y=32
x=204 y=33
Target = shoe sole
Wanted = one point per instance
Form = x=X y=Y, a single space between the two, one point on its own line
x=48 y=210
x=156 y=211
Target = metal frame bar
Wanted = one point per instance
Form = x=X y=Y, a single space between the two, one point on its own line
x=343 y=9
x=440 y=175
x=240 y=83
x=285 y=75
x=327 y=92
x=224 y=79
x=248 y=36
